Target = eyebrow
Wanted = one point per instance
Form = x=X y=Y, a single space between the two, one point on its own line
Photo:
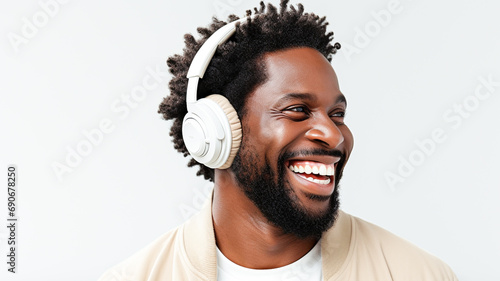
x=341 y=99
x=310 y=97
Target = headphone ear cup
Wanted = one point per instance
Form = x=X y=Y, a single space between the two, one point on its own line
x=235 y=125
x=212 y=132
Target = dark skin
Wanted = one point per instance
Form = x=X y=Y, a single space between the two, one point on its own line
x=299 y=107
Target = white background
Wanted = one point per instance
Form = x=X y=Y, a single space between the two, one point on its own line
x=403 y=74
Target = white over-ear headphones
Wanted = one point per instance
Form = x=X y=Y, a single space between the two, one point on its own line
x=211 y=129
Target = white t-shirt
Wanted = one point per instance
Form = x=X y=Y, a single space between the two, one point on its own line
x=307 y=268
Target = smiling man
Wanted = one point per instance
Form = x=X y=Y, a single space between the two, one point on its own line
x=274 y=213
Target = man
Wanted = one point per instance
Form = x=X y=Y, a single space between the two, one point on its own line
x=274 y=213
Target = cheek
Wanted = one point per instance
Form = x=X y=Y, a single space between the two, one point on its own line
x=256 y=137
x=276 y=135
x=268 y=138
x=272 y=133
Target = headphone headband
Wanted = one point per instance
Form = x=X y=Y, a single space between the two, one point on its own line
x=204 y=55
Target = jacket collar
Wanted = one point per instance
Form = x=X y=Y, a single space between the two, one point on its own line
x=199 y=242
x=336 y=245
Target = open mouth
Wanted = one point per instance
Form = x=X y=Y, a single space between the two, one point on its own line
x=315 y=172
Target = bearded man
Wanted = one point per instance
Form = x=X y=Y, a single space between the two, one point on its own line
x=259 y=108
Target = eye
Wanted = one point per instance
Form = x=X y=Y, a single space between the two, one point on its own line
x=338 y=114
x=298 y=109
x=297 y=112
x=338 y=117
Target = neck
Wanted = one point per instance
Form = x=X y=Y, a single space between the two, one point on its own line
x=244 y=235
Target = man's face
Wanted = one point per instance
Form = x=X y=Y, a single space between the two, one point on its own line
x=295 y=143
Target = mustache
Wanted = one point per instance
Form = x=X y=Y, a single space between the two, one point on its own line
x=311 y=152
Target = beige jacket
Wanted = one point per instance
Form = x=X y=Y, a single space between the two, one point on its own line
x=351 y=250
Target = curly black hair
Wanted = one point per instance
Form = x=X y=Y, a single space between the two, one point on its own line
x=236 y=68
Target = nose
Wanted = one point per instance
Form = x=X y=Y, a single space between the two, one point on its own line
x=325 y=132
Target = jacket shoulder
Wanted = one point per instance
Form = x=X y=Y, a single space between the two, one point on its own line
x=143 y=264
x=402 y=259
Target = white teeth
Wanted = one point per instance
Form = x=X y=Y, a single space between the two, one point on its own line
x=330 y=171
x=315 y=170
x=327 y=181
x=322 y=170
x=308 y=169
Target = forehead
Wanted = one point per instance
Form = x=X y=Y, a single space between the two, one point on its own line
x=298 y=71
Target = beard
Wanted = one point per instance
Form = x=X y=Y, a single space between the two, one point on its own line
x=275 y=198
